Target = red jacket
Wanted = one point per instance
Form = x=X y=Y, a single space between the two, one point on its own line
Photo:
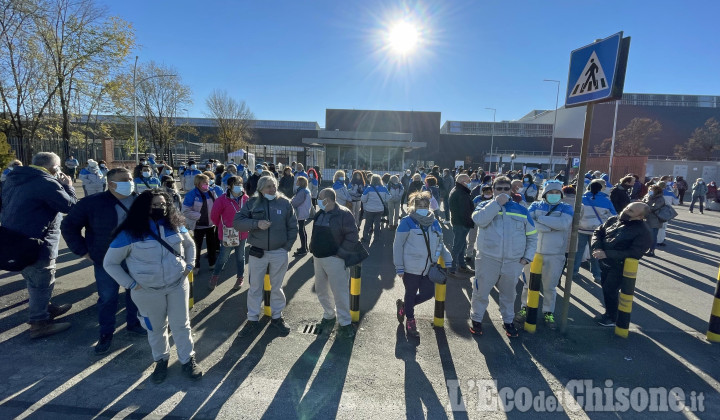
x=227 y=207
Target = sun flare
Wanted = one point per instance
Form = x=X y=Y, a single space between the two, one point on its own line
x=403 y=38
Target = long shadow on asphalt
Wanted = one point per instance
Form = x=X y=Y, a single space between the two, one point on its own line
x=455 y=394
x=419 y=391
x=378 y=271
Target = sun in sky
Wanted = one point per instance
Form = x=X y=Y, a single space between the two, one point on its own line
x=403 y=37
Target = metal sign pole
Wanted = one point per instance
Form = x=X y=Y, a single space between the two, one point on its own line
x=580 y=189
x=612 y=145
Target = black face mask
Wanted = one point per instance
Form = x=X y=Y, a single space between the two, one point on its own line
x=625 y=217
x=158 y=214
x=170 y=185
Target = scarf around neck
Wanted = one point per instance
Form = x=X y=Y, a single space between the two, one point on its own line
x=424 y=221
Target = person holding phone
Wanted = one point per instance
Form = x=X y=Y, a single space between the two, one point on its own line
x=506 y=242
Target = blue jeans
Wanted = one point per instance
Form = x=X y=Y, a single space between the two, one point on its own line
x=40 y=279
x=583 y=241
x=459 y=246
x=225 y=256
x=108 y=296
x=418 y=289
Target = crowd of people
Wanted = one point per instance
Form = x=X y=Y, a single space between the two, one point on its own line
x=142 y=234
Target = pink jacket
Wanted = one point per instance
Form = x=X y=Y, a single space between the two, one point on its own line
x=227 y=207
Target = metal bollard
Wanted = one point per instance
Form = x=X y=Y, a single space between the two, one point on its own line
x=266 y=293
x=440 y=291
x=627 y=290
x=713 y=333
x=533 y=299
x=355 y=276
x=191 y=300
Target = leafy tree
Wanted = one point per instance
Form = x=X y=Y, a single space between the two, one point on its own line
x=6 y=153
x=233 y=120
x=703 y=142
x=632 y=140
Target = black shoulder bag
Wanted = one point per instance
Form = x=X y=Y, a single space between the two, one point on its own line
x=437 y=274
x=165 y=244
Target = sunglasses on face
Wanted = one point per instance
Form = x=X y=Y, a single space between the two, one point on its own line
x=502 y=188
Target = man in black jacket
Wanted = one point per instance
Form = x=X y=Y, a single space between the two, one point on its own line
x=333 y=239
x=252 y=181
x=461 y=208
x=620 y=237
x=99 y=215
x=620 y=194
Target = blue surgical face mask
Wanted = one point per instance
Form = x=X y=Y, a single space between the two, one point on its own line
x=553 y=198
x=168 y=171
x=193 y=167
x=124 y=188
x=341 y=179
x=270 y=197
x=651 y=193
x=237 y=189
x=321 y=204
x=422 y=212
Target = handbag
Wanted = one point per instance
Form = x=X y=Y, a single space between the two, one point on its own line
x=17 y=250
x=231 y=237
x=666 y=213
x=358 y=255
x=436 y=274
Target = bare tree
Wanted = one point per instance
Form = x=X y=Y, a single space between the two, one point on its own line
x=233 y=119
x=81 y=43
x=702 y=144
x=160 y=95
x=632 y=140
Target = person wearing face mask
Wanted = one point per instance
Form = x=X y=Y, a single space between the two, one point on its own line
x=252 y=182
x=699 y=191
x=655 y=201
x=144 y=179
x=104 y=169
x=620 y=194
x=596 y=209
x=230 y=171
x=415 y=235
x=396 y=190
x=196 y=208
x=461 y=208
x=374 y=199
x=34 y=199
x=92 y=179
x=273 y=228
x=333 y=239
x=528 y=191
x=302 y=202
x=356 y=188
x=159 y=255
x=342 y=194
x=168 y=185
x=626 y=236
x=553 y=220
x=300 y=171
x=214 y=187
x=189 y=175
x=99 y=215
x=222 y=215
x=506 y=242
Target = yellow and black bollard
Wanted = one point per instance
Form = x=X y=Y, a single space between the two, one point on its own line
x=355 y=276
x=627 y=290
x=440 y=291
x=191 y=300
x=533 y=297
x=713 y=333
x=266 y=293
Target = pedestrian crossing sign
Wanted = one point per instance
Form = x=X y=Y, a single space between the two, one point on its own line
x=597 y=71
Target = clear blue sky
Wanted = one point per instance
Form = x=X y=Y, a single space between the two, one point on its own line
x=292 y=59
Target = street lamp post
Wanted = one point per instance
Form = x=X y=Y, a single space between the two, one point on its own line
x=492 y=137
x=187 y=134
x=552 y=143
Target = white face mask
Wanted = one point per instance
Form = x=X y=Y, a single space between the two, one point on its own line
x=341 y=179
x=124 y=188
x=270 y=197
x=193 y=167
x=146 y=174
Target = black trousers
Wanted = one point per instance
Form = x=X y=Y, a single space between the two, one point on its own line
x=213 y=244
x=303 y=234
x=611 y=273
